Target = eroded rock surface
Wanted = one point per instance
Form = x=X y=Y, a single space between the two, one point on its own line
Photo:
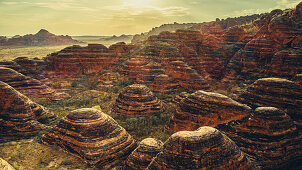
x=137 y=100
x=19 y=116
x=269 y=137
x=141 y=157
x=93 y=136
x=205 y=148
x=206 y=109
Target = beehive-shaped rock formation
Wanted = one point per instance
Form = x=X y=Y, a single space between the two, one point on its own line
x=275 y=92
x=137 y=100
x=205 y=148
x=255 y=56
x=141 y=157
x=187 y=77
x=164 y=84
x=286 y=63
x=206 y=109
x=19 y=116
x=108 y=79
x=269 y=137
x=135 y=68
x=93 y=136
x=25 y=84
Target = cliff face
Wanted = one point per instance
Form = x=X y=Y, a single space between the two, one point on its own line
x=42 y=38
x=94 y=58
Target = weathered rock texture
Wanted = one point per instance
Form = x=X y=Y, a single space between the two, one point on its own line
x=137 y=100
x=93 y=136
x=187 y=77
x=141 y=157
x=164 y=84
x=275 y=92
x=26 y=85
x=5 y=165
x=269 y=137
x=140 y=70
x=206 y=109
x=205 y=148
x=178 y=98
x=94 y=58
x=19 y=116
x=108 y=79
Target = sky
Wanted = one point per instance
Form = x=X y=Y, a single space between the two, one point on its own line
x=116 y=17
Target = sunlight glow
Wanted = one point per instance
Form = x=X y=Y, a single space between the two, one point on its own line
x=138 y=3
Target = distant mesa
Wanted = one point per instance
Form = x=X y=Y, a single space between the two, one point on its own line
x=205 y=148
x=42 y=38
x=19 y=116
x=137 y=100
x=93 y=136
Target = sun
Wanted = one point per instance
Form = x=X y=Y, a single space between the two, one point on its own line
x=138 y=3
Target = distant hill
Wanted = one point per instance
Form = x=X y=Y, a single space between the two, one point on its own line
x=165 y=27
x=42 y=38
x=122 y=38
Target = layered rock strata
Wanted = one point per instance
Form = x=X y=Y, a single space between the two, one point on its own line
x=206 y=109
x=141 y=157
x=137 y=100
x=108 y=79
x=25 y=84
x=187 y=77
x=76 y=60
x=269 y=137
x=93 y=136
x=19 y=116
x=275 y=92
x=164 y=84
x=205 y=148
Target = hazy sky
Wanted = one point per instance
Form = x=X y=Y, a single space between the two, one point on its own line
x=109 y=17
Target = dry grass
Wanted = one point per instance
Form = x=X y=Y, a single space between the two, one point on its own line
x=10 y=53
x=31 y=155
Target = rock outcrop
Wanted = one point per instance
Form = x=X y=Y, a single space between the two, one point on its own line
x=141 y=157
x=26 y=85
x=269 y=137
x=205 y=148
x=187 y=77
x=286 y=63
x=164 y=84
x=19 y=116
x=137 y=100
x=94 y=58
x=178 y=98
x=275 y=92
x=206 y=109
x=108 y=79
x=5 y=165
x=93 y=136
